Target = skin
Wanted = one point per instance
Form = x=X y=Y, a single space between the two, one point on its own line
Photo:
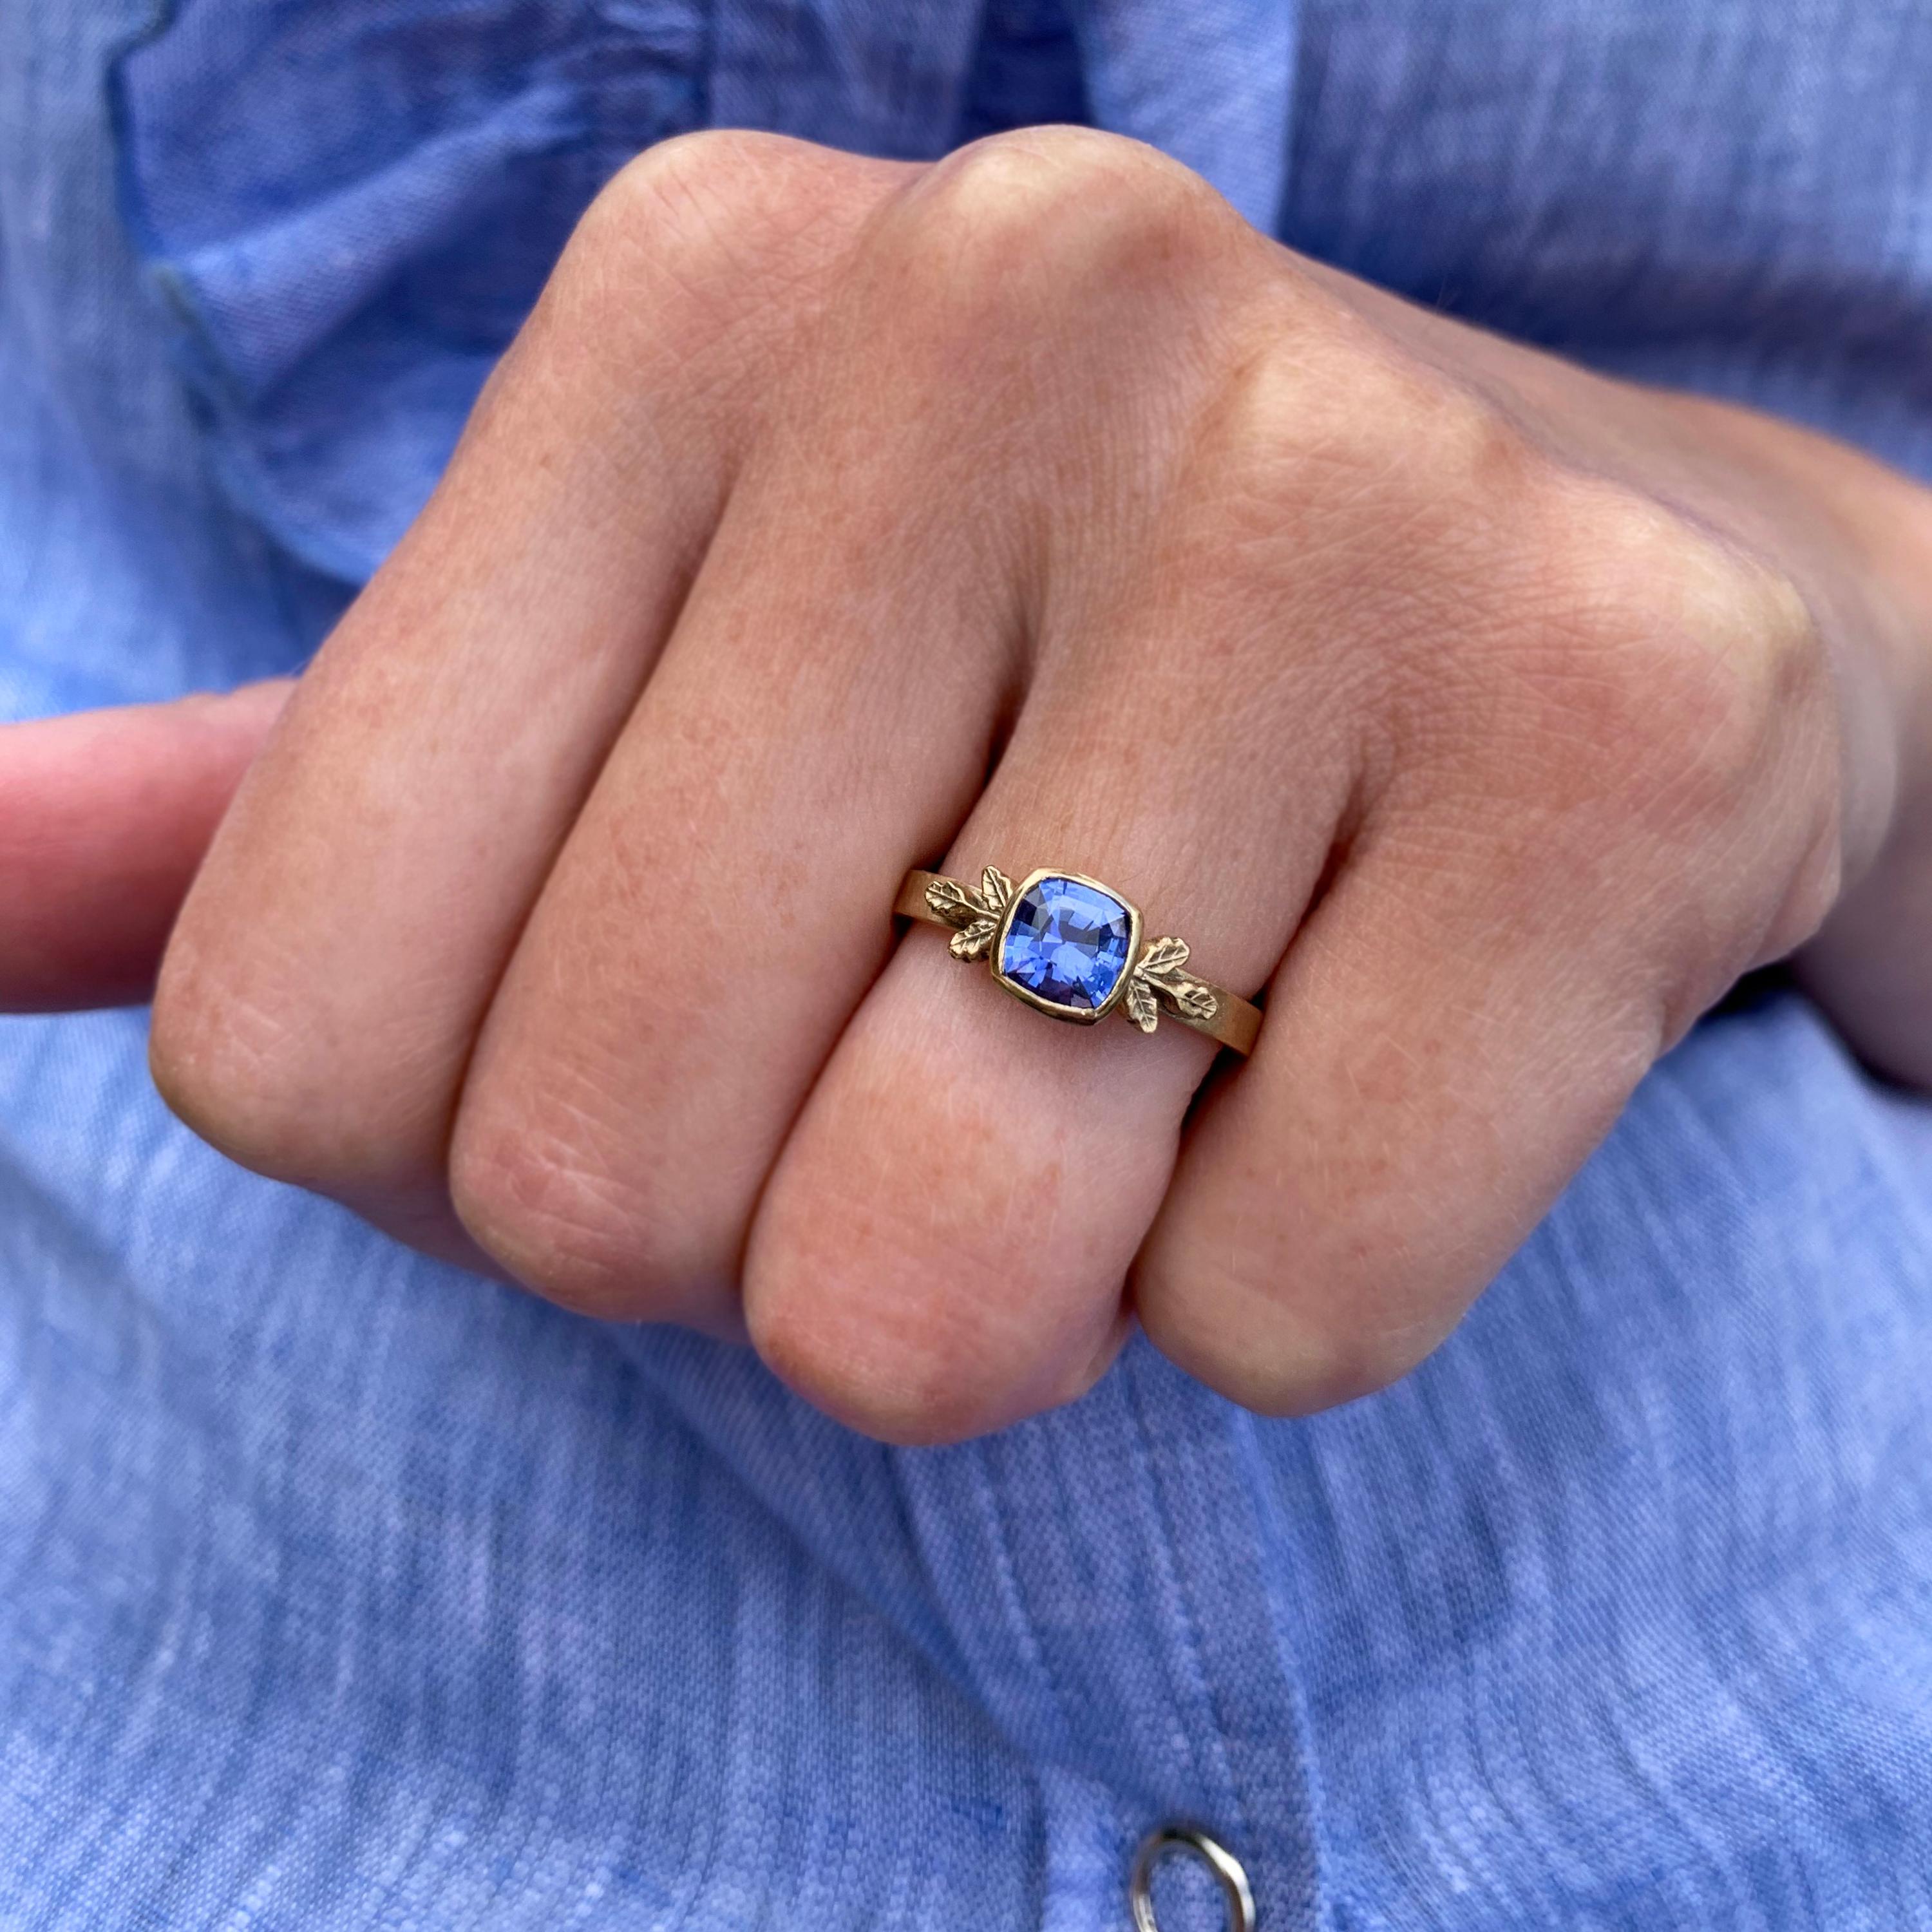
x=831 y=517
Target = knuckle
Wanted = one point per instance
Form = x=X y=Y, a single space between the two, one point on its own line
x=1322 y=384
x=695 y=193
x=244 y=1072
x=696 y=235
x=1043 y=180
x=1274 y=1359
x=1697 y=661
x=863 y=1317
x=534 y=1196
x=1318 y=425
x=891 y=1274
x=667 y=221
x=1030 y=220
x=1632 y=701
x=886 y=1379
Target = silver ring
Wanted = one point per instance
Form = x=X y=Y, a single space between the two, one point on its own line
x=1169 y=1839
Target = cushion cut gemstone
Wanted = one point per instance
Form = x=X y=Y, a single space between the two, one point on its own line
x=1067 y=943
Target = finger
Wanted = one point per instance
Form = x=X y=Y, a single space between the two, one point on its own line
x=944 y=1240
x=1419 y=1092
x=1507 y=949
x=944 y=1244
x=318 y=1005
x=822 y=714
x=104 y=816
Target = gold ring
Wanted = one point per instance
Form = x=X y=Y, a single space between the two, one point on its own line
x=1070 y=946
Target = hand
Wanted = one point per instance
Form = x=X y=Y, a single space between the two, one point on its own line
x=831 y=517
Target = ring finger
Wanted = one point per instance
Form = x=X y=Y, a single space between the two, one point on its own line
x=944 y=1244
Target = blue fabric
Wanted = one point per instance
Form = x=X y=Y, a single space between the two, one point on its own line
x=343 y=1591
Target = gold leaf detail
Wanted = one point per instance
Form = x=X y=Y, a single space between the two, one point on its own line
x=1164 y=955
x=1140 y=1007
x=951 y=901
x=995 y=889
x=1196 y=1001
x=970 y=942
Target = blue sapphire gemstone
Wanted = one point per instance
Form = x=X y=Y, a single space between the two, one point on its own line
x=1067 y=943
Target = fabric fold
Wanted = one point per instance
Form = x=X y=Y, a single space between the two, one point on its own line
x=348 y=210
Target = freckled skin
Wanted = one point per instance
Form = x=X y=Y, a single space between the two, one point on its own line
x=831 y=517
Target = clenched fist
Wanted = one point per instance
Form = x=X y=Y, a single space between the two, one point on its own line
x=832 y=518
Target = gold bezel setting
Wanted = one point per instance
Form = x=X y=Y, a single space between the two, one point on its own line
x=996 y=952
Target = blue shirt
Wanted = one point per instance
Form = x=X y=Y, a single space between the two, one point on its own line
x=341 y=1590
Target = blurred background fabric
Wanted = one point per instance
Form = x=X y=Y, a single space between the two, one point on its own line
x=341 y=1590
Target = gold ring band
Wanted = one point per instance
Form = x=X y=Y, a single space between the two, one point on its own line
x=1069 y=946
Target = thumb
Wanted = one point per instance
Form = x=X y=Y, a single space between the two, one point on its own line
x=104 y=816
